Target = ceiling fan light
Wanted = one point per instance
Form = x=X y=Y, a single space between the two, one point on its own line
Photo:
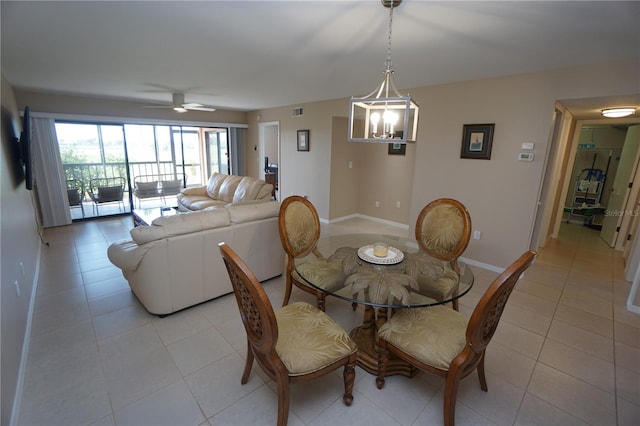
x=618 y=112
x=179 y=109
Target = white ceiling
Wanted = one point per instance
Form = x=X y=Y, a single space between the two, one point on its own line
x=248 y=55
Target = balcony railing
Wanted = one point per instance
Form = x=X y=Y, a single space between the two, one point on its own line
x=85 y=172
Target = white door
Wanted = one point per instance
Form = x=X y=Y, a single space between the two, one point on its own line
x=616 y=207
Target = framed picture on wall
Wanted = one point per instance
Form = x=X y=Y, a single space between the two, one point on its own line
x=303 y=140
x=477 y=140
x=397 y=149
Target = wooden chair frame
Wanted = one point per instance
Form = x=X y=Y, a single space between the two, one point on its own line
x=453 y=255
x=294 y=252
x=480 y=329
x=261 y=327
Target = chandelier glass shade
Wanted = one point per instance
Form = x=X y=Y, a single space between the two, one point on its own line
x=384 y=115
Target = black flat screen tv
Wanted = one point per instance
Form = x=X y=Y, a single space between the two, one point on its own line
x=25 y=148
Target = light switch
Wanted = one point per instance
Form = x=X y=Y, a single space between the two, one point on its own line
x=528 y=145
x=525 y=156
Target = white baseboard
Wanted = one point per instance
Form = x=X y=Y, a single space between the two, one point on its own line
x=482 y=265
x=362 y=216
x=17 y=400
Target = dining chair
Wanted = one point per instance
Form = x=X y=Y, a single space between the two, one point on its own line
x=299 y=228
x=297 y=343
x=442 y=341
x=442 y=231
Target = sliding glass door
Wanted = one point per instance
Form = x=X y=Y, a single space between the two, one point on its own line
x=217 y=151
x=96 y=155
x=93 y=157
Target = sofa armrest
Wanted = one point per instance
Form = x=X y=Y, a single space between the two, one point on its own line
x=127 y=255
x=195 y=190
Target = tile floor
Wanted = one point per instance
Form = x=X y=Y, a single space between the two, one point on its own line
x=566 y=351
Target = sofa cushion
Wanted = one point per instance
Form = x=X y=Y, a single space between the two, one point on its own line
x=228 y=188
x=265 y=192
x=198 y=202
x=248 y=189
x=186 y=223
x=146 y=187
x=171 y=187
x=214 y=183
x=256 y=211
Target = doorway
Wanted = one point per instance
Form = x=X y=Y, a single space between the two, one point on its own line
x=269 y=141
x=600 y=184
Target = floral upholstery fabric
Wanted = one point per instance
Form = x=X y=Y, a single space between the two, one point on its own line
x=435 y=277
x=322 y=273
x=301 y=226
x=309 y=339
x=434 y=335
x=442 y=229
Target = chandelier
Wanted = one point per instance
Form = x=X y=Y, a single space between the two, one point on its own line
x=384 y=116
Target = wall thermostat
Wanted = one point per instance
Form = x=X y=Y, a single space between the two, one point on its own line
x=525 y=156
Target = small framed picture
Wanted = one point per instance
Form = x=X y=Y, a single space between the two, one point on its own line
x=303 y=140
x=397 y=149
x=477 y=140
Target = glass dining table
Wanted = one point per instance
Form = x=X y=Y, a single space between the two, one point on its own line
x=349 y=270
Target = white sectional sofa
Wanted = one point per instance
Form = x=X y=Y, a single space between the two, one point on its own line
x=175 y=263
x=223 y=190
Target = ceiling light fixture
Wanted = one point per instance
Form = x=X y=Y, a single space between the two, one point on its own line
x=384 y=115
x=618 y=112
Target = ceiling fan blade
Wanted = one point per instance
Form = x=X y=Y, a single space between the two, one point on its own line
x=158 y=106
x=198 y=107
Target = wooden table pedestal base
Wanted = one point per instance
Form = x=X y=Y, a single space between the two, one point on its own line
x=365 y=337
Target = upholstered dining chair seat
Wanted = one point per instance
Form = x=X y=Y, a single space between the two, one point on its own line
x=434 y=335
x=435 y=277
x=325 y=274
x=299 y=227
x=443 y=230
x=309 y=339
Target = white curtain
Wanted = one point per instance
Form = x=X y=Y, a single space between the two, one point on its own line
x=48 y=173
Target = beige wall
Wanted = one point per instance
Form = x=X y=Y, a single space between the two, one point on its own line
x=19 y=243
x=375 y=176
x=501 y=193
x=300 y=172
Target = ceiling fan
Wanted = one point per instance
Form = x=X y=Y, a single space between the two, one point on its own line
x=179 y=105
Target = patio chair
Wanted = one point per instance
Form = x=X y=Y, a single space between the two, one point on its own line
x=75 y=194
x=107 y=190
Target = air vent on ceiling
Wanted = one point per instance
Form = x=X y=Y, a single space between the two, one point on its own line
x=297 y=112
